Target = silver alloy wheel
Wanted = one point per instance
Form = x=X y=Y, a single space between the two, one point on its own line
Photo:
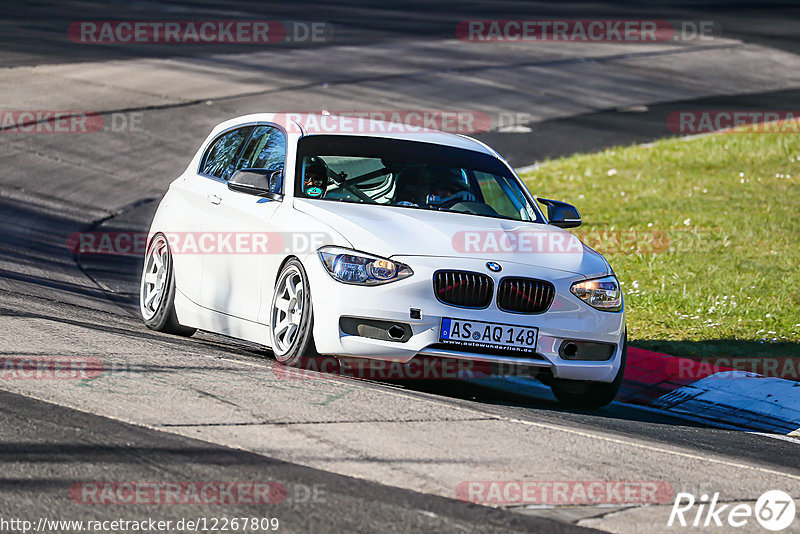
x=154 y=278
x=287 y=310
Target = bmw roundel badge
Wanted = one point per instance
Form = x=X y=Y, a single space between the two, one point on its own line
x=493 y=266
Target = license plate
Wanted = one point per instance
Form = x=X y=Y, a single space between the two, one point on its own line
x=488 y=335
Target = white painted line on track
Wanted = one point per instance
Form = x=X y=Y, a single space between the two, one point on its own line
x=652 y=448
x=541 y=388
x=778 y=436
x=608 y=439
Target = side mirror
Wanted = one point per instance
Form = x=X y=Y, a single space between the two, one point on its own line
x=262 y=182
x=561 y=214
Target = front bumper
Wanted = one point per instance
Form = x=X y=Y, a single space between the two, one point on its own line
x=567 y=319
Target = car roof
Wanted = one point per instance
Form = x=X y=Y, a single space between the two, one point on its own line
x=299 y=124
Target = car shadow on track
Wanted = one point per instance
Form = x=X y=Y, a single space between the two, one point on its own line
x=519 y=395
x=34 y=257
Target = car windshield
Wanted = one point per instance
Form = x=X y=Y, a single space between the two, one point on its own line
x=409 y=174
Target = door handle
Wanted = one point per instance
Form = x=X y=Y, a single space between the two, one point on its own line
x=214 y=199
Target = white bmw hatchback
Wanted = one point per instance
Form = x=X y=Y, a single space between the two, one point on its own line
x=321 y=235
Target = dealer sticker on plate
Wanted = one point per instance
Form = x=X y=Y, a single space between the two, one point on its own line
x=488 y=335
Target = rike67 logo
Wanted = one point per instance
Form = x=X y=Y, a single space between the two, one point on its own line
x=774 y=510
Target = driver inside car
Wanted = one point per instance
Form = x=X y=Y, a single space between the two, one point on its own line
x=315 y=177
x=444 y=185
x=432 y=185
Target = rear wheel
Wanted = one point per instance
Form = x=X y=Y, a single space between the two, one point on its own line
x=157 y=290
x=291 y=318
x=584 y=394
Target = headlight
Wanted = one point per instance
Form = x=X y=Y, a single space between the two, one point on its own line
x=353 y=267
x=601 y=293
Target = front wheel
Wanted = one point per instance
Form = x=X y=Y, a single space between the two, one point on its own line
x=584 y=394
x=291 y=316
x=157 y=290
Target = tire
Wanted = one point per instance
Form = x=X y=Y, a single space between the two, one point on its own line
x=584 y=394
x=157 y=290
x=292 y=317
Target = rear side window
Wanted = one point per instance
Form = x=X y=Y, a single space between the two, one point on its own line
x=266 y=149
x=218 y=159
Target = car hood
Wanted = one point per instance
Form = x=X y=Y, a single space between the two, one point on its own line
x=390 y=231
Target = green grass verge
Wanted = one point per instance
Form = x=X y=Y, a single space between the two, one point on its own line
x=703 y=233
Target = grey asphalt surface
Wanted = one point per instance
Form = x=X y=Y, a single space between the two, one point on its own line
x=206 y=408
x=45 y=449
x=35 y=32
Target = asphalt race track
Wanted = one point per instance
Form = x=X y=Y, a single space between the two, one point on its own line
x=383 y=456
